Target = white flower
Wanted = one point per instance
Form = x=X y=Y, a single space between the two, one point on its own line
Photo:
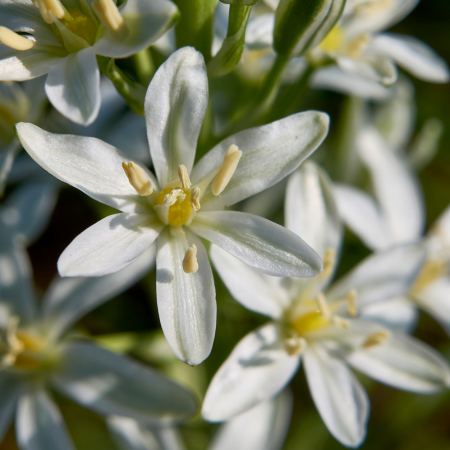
x=183 y=203
x=264 y=427
x=397 y=216
x=36 y=354
x=63 y=39
x=316 y=323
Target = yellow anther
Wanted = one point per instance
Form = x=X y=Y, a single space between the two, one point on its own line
x=432 y=270
x=14 y=40
x=227 y=169
x=190 y=263
x=110 y=16
x=171 y=198
x=56 y=7
x=356 y=47
x=340 y=322
x=351 y=302
x=329 y=261
x=184 y=177
x=375 y=339
x=294 y=345
x=195 y=198
x=323 y=306
x=137 y=178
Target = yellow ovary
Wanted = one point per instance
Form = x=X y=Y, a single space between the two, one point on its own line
x=79 y=24
x=181 y=210
x=334 y=40
x=309 y=322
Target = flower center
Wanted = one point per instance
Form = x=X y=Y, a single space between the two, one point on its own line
x=432 y=270
x=180 y=208
x=79 y=24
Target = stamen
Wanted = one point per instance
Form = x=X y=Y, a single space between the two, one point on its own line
x=340 y=322
x=56 y=7
x=14 y=40
x=137 y=178
x=375 y=339
x=195 y=198
x=184 y=177
x=294 y=345
x=323 y=306
x=227 y=169
x=329 y=261
x=110 y=16
x=45 y=12
x=171 y=198
x=190 y=263
x=351 y=303
x=356 y=47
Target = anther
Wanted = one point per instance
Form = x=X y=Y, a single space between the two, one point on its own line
x=351 y=302
x=294 y=345
x=227 y=169
x=56 y=7
x=110 y=16
x=45 y=12
x=138 y=178
x=195 y=198
x=323 y=306
x=340 y=322
x=184 y=177
x=329 y=261
x=375 y=339
x=190 y=263
x=171 y=199
x=14 y=40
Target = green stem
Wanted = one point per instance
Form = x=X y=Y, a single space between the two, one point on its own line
x=145 y=68
x=237 y=16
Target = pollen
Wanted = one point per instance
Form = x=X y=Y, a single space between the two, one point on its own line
x=190 y=263
x=351 y=302
x=375 y=339
x=334 y=40
x=179 y=202
x=195 y=198
x=356 y=47
x=81 y=25
x=295 y=345
x=110 y=17
x=329 y=261
x=14 y=40
x=184 y=177
x=226 y=170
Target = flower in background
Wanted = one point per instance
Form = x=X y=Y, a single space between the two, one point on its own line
x=317 y=324
x=183 y=203
x=264 y=427
x=62 y=40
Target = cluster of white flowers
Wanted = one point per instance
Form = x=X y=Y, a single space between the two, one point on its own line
x=190 y=207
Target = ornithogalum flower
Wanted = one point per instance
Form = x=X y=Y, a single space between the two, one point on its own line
x=318 y=324
x=183 y=204
x=63 y=38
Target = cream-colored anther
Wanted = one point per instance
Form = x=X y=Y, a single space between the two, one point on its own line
x=45 y=12
x=15 y=345
x=184 y=177
x=323 y=306
x=351 y=302
x=137 y=178
x=190 y=263
x=294 y=345
x=195 y=198
x=329 y=261
x=227 y=169
x=14 y=40
x=376 y=339
x=340 y=322
x=56 y=7
x=356 y=47
x=110 y=16
x=171 y=198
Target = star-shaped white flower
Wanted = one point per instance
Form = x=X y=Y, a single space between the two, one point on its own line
x=317 y=324
x=63 y=38
x=184 y=203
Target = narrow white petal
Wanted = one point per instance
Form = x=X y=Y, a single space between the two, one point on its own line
x=85 y=163
x=252 y=288
x=186 y=302
x=6 y=161
x=258 y=242
x=39 y=424
x=10 y=389
x=257 y=370
x=412 y=55
x=378 y=69
x=73 y=87
x=175 y=105
x=110 y=245
x=269 y=153
x=110 y=384
x=341 y=400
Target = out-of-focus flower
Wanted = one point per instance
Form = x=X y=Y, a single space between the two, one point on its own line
x=263 y=427
x=317 y=324
x=63 y=38
x=183 y=203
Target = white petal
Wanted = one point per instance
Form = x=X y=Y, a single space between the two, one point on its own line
x=175 y=105
x=338 y=395
x=10 y=388
x=396 y=187
x=259 y=33
x=258 y=242
x=110 y=245
x=373 y=68
x=110 y=384
x=257 y=370
x=362 y=215
x=146 y=22
x=73 y=87
x=68 y=299
x=6 y=162
x=186 y=302
x=269 y=153
x=413 y=55
x=404 y=363
x=40 y=425
x=381 y=276
x=252 y=288
x=86 y=163
x=335 y=79
x=310 y=209
x=263 y=427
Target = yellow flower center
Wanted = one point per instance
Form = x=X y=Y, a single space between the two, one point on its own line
x=81 y=25
x=181 y=210
x=309 y=322
x=432 y=270
x=334 y=40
